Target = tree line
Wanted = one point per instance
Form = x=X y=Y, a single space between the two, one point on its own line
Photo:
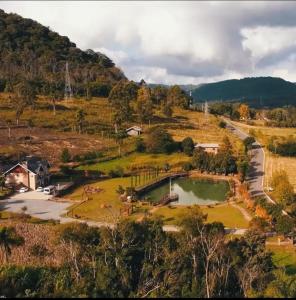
x=141 y=260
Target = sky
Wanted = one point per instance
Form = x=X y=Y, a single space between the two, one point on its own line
x=180 y=42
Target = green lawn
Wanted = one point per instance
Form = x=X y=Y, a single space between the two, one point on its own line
x=227 y=214
x=136 y=160
x=284 y=256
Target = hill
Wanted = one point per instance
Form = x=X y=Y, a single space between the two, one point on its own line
x=34 y=52
x=258 y=91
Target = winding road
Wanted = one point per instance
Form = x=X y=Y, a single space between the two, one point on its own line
x=256 y=172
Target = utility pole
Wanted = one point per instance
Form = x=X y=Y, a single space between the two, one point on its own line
x=68 y=89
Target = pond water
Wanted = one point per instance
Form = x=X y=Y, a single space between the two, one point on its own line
x=191 y=191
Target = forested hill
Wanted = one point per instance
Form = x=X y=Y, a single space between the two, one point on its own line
x=258 y=91
x=33 y=52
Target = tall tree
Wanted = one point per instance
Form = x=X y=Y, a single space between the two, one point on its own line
x=9 y=239
x=144 y=104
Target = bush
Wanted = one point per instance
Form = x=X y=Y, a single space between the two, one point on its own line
x=65 y=156
x=188 y=146
x=222 y=124
x=140 y=145
x=117 y=172
x=160 y=141
x=187 y=166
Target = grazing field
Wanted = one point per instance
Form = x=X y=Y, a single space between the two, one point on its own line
x=273 y=162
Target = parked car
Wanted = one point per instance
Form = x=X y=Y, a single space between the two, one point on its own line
x=23 y=190
x=40 y=189
x=49 y=190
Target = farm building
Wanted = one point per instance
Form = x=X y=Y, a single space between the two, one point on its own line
x=134 y=131
x=32 y=172
x=209 y=148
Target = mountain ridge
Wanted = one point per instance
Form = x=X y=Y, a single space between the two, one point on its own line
x=256 y=91
x=32 y=51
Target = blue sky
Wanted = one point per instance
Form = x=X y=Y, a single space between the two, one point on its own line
x=178 y=42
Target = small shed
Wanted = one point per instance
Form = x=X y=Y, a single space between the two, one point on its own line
x=134 y=131
x=209 y=148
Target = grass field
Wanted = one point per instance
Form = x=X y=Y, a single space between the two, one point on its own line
x=225 y=213
x=137 y=160
x=274 y=162
x=284 y=256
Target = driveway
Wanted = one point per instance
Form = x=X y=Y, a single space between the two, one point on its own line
x=38 y=205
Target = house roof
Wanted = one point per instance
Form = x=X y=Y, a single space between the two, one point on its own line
x=137 y=128
x=31 y=164
x=207 y=146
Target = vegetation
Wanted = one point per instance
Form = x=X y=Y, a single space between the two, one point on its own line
x=140 y=259
x=42 y=55
x=257 y=92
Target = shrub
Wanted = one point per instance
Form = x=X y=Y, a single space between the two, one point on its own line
x=117 y=172
x=160 y=141
x=65 y=156
x=188 y=146
x=140 y=145
x=222 y=124
x=187 y=166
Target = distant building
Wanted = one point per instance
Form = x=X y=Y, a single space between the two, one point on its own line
x=209 y=148
x=32 y=172
x=134 y=131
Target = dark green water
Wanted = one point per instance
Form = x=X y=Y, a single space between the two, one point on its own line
x=191 y=191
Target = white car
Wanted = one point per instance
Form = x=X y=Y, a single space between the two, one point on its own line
x=40 y=189
x=23 y=190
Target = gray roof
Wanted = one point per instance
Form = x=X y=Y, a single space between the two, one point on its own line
x=31 y=163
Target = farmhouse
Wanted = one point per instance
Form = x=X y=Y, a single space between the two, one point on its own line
x=31 y=172
x=209 y=148
x=134 y=131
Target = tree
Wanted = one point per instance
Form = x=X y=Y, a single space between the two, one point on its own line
x=65 y=156
x=283 y=189
x=120 y=99
x=160 y=141
x=25 y=96
x=248 y=142
x=140 y=145
x=2 y=182
x=284 y=225
x=144 y=104
x=244 y=112
x=188 y=146
x=167 y=110
x=178 y=97
x=80 y=119
x=9 y=239
x=159 y=95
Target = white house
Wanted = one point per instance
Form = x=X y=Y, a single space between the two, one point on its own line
x=209 y=148
x=134 y=131
x=31 y=172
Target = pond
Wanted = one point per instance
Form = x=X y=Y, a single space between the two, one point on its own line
x=191 y=191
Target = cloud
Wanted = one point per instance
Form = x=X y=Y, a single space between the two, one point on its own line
x=178 y=42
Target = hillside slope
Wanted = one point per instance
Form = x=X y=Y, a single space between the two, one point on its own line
x=259 y=91
x=34 y=52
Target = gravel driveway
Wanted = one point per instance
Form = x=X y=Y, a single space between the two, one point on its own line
x=38 y=205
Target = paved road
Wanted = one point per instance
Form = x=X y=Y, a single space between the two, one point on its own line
x=256 y=172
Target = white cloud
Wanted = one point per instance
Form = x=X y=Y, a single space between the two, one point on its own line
x=178 y=42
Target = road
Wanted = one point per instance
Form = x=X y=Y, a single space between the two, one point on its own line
x=255 y=175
